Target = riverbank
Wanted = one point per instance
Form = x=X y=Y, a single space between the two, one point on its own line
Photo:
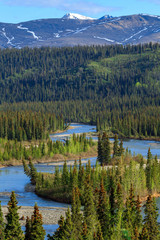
x=51 y=215
x=92 y=152
x=129 y=138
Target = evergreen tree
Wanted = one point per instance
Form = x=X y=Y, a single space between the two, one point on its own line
x=37 y=231
x=65 y=175
x=90 y=216
x=121 y=149
x=149 y=171
x=103 y=211
x=115 y=146
x=13 y=228
x=150 y=219
x=76 y=214
x=84 y=232
x=68 y=227
x=144 y=234
x=106 y=150
x=129 y=216
x=59 y=232
x=28 y=229
x=99 y=149
x=33 y=172
x=138 y=217
x=98 y=235
x=26 y=168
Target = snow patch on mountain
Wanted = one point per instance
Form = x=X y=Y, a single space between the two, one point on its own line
x=135 y=34
x=76 y=16
x=106 y=39
x=25 y=28
x=9 y=39
x=105 y=17
x=154 y=16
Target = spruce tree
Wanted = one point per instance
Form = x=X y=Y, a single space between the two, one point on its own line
x=115 y=146
x=2 y=225
x=99 y=149
x=28 y=229
x=138 y=217
x=59 y=232
x=103 y=211
x=33 y=172
x=149 y=171
x=68 y=227
x=150 y=219
x=84 y=232
x=37 y=230
x=76 y=214
x=121 y=149
x=13 y=228
x=106 y=150
x=144 y=234
x=90 y=216
x=98 y=235
x=129 y=216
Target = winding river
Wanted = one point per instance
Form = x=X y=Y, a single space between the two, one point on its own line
x=14 y=179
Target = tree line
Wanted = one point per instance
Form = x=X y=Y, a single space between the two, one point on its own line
x=29 y=125
x=10 y=150
x=102 y=218
x=116 y=88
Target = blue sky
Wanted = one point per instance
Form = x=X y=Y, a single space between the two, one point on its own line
x=15 y=11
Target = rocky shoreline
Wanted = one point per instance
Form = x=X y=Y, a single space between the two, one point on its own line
x=51 y=215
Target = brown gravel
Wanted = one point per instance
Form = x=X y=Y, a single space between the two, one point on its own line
x=50 y=215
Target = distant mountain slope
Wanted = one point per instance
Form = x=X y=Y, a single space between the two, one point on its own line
x=72 y=30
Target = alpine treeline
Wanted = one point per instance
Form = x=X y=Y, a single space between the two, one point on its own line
x=115 y=87
x=29 y=125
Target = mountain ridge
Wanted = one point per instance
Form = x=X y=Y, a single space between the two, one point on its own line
x=61 y=32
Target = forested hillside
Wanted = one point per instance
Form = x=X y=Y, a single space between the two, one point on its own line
x=115 y=87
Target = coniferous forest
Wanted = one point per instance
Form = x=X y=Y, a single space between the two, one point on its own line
x=116 y=88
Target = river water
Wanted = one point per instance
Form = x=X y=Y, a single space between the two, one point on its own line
x=14 y=179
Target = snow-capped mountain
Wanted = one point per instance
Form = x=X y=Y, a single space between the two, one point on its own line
x=105 y=17
x=71 y=30
x=76 y=16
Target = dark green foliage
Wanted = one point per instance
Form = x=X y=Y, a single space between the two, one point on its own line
x=129 y=217
x=149 y=171
x=13 y=228
x=68 y=227
x=115 y=146
x=115 y=87
x=28 y=229
x=32 y=172
x=60 y=230
x=77 y=217
x=98 y=235
x=103 y=211
x=99 y=149
x=37 y=231
x=28 y=125
x=150 y=219
x=26 y=168
x=138 y=218
x=104 y=151
x=90 y=216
